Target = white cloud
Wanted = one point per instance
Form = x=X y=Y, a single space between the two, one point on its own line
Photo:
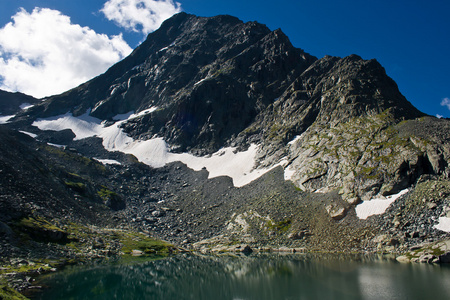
x=446 y=102
x=43 y=53
x=140 y=15
x=439 y=116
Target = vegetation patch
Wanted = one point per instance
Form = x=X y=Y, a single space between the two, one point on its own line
x=106 y=194
x=8 y=293
x=41 y=230
x=111 y=199
x=282 y=226
x=76 y=186
x=137 y=241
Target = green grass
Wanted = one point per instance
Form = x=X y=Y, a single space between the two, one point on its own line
x=37 y=223
x=106 y=194
x=76 y=186
x=282 y=226
x=8 y=293
x=138 y=241
x=427 y=249
x=26 y=268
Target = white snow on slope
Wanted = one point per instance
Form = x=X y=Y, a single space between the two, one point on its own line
x=122 y=117
x=238 y=166
x=444 y=224
x=83 y=126
x=5 y=119
x=289 y=172
x=296 y=138
x=154 y=152
x=108 y=161
x=131 y=115
x=377 y=206
x=29 y=133
x=25 y=106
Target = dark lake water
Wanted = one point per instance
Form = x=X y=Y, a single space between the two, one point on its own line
x=256 y=277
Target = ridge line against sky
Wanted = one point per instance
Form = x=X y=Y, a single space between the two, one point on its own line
x=50 y=46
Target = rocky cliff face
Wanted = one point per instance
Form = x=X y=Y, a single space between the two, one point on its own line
x=337 y=128
x=12 y=103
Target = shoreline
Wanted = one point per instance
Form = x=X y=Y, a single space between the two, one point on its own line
x=18 y=276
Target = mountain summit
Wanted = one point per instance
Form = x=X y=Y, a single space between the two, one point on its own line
x=301 y=139
x=216 y=82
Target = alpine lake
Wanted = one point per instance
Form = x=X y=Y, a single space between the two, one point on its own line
x=256 y=276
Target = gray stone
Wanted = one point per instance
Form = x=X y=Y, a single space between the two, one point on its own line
x=431 y=205
x=297 y=235
x=403 y=259
x=354 y=200
x=157 y=213
x=136 y=252
x=426 y=258
x=336 y=213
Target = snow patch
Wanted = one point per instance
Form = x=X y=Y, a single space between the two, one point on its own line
x=154 y=152
x=288 y=173
x=83 y=126
x=108 y=161
x=443 y=225
x=144 y=112
x=29 y=133
x=167 y=47
x=122 y=117
x=131 y=115
x=25 y=106
x=114 y=90
x=225 y=162
x=296 y=139
x=5 y=119
x=200 y=81
x=377 y=206
x=56 y=145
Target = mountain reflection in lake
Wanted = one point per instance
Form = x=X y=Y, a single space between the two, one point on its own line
x=189 y=276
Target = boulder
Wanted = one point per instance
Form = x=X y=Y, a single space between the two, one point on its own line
x=403 y=259
x=426 y=258
x=136 y=252
x=336 y=212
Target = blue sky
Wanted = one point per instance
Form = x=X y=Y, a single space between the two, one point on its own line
x=411 y=39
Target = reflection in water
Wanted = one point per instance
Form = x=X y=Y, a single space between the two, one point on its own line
x=253 y=277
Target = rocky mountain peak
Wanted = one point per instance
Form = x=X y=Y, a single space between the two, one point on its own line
x=209 y=78
x=12 y=103
x=216 y=128
x=216 y=82
x=355 y=87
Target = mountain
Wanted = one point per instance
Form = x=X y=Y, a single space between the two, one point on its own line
x=215 y=132
x=12 y=103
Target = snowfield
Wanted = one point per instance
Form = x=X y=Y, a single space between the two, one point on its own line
x=5 y=119
x=108 y=161
x=29 y=133
x=25 y=106
x=444 y=224
x=154 y=152
x=377 y=206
